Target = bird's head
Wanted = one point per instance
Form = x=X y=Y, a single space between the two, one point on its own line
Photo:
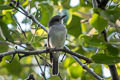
x=56 y=20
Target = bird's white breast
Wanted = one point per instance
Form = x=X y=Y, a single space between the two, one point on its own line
x=57 y=36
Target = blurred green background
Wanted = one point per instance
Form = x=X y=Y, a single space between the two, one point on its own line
x=84 y=24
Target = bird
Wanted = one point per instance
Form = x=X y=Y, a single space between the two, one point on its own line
x=56 y=39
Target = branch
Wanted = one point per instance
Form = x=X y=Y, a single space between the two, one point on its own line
x=36 y=52
x=33 y=18
x=60 y=76
x=87 y=69
x=43 y=73
x=27 y=53
x=27 y=14
x=19 y=26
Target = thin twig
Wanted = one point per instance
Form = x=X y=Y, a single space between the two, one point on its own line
x=60 y=76
x=63 y=57
x=10 y=61
x=27 y=14
x=12 y=5
x=33 y=18
x=19 y=26
x=45 y=62
x=43 y=74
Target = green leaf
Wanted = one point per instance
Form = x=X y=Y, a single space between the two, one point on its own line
x=75 y=70
x=7 y=18
x=54 y=78
x=87 y=76
x=94 y=41
x=66 y=4
x=74 y=28
x=5 y=7
x=1 y=2
x=5 y=31
x=82 y=3
x=81 y=50
x=3 y=47
x=13 y=68
x=37 y=41
x=68 y=62
x=98 y=22
x=46 y=13
x=112 y=14
x=29 y=35
x=105 y=59
x=26 y=2
x=97 y=68
x=55 y=1
x=112 y=50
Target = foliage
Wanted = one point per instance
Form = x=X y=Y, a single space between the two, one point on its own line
x=83 y=37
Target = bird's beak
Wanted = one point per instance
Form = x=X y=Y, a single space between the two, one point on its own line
x=62 y=17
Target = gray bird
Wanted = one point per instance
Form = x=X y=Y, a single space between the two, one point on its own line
x=56 y=39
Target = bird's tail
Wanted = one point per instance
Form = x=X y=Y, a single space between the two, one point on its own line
x=55 y=64
x=51 y=57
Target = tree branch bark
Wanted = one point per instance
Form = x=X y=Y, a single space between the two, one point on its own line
x=87 y=69
x=36 y=52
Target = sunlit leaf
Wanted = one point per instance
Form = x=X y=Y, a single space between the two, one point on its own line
x=75 y=70
x=25 y=3
x=83 y=26
x=68 y=62
x=98 y=22
x=7 y=18
x=27 y=60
